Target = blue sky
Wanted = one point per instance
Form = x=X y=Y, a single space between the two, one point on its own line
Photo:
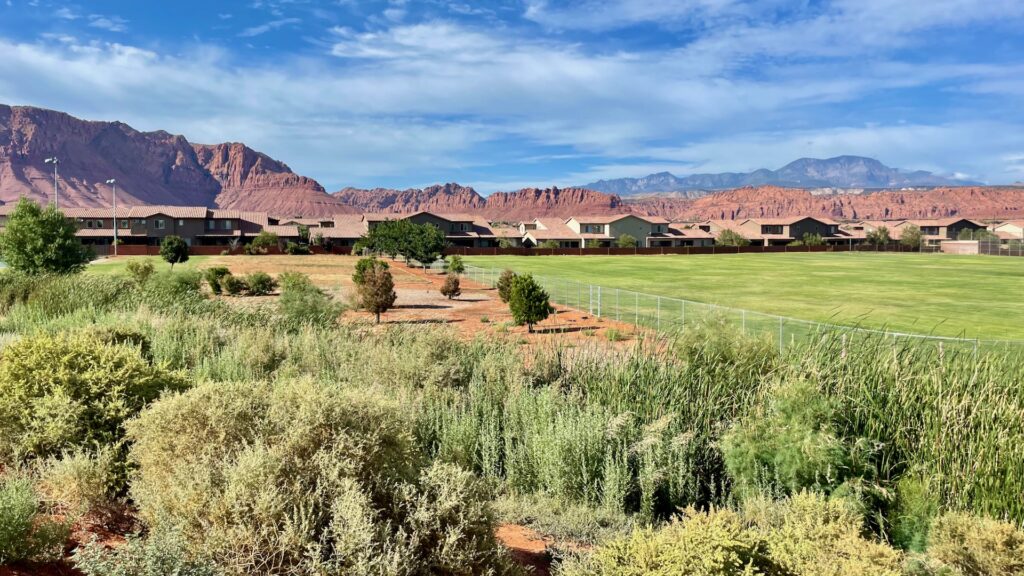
x=501 y=95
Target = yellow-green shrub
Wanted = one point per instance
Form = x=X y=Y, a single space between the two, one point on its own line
x=298 y=477
x=976 y=546
x=25 y=533
x=66 y=391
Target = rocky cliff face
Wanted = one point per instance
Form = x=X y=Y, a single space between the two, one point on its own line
x=150 y=168
x=523 y=204
x=772 y=201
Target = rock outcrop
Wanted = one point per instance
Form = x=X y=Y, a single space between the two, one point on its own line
x=772 y=201
x=150 y=168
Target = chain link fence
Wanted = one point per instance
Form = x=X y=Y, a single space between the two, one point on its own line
x=663 y=313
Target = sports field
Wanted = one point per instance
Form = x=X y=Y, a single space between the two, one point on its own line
x=967 y=296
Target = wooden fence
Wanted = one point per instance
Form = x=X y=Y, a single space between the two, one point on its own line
x=680 y=250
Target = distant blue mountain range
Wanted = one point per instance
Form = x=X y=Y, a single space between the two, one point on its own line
x=838 y=172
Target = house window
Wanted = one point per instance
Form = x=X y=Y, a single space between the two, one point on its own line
x=160 y=224
x=141 y=221
x=771 y=229
x=227 y=224
x=210 y=224
x=593 y=228
x=930 y=230
x=181 y=222
x=88 y=223
x=124 y=223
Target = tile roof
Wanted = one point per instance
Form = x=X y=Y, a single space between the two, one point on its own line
x=122 y=212
x=287 y=231
x=106 y=232
x=170 y=211
x=552 y=229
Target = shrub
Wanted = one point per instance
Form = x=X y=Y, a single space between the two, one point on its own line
x=878 y=237
x=528 y=302
x=263 y=243
x=260 y=283
x=451 y=287
x=811 y=535
x=614 y=335
x=213 y=277
x=364 y=264
x=455 y=264
x=299 y=477
x=140 y=270
x=296 y=249
x=25 y=533
x=791 y=445
x=173 y=250
x=626 y=241
x=79 y=483
x=549 y=244
x=162 y=553
x=731 y=238
x=911 y=236
x=714 y=543
x=65 y=391
x=233 y=285
x=977 y=546
x=504 y=285
x=38 y=240
x=302 y=303
x=377 y=290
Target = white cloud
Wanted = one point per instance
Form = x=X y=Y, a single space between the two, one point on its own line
x=267 y=27
x=109 y=23
x=66 y=13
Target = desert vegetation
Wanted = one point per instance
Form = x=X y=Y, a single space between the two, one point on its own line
x=266 y=437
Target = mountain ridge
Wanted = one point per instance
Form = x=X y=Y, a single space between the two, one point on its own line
x=843 y=172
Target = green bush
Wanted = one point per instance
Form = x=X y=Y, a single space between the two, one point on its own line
x=263 y=243
x=456 y=264
x=159 y=554
x=140 y=270
x=25 y=532
x=296 y=249
x=213 y=277
x=791 y=444
x=37 y=240
x=301 y=303
x=304 y=478
x=173 y=249
x=504 y=285
x=976 y=546
x=365 y=264
x=260 y=283
x=233 y=285
x=79 y=483
x=528 y=302
x=715 y=543
x=63 y=392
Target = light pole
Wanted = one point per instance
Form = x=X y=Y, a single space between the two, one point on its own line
x=56 y=198
x=113 y=195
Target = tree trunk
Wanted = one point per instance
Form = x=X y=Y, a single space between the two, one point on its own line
x=378 y=317
x=529 y=328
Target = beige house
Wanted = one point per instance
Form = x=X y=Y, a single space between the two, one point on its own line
x=606 y=230
x=1009 y=231
x=541 y=230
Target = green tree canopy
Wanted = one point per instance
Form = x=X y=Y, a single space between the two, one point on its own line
x=264 y=241
x=41 y=240
x=420 y=242
x=528 y=302
x=731 y=238
x=173 y=249
x=455 y=264
x=911 y=236
x=879 y=236
x=626 y=241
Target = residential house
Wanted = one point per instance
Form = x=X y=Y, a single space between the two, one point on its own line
x=934 y=231
x=604 y=231
x=782 y=231
x=542 y=230
x=1009 y=231
x=459 y=229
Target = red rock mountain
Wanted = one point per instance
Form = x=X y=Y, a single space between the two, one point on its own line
x=772 y=201
x=162 y=168
x=150 y=167
x=505 y=206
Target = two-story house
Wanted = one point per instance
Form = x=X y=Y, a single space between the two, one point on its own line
x=604 y=231
x=545 y=230
x=459 y=229
x=782 y=231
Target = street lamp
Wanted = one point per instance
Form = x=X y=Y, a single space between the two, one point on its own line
x=53 y=160
x=113 y=195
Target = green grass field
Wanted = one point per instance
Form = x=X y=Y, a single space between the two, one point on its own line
x=969 y=296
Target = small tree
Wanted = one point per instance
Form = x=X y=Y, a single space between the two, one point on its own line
x=263 y=242
x=41 y=240
x=812 y=239
x=174 y=250
x=504 y=285
x=548 y=244
x=451 y=287
x=911 y=237
x=879 y=236
x=528 y=302
x=304 y=233
x=377 y=290
x=213 y=277
x=455 y=264
x=731 y=238
x=506 y=243
x=626 y=241
x=364 y=264
x=140 y=270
